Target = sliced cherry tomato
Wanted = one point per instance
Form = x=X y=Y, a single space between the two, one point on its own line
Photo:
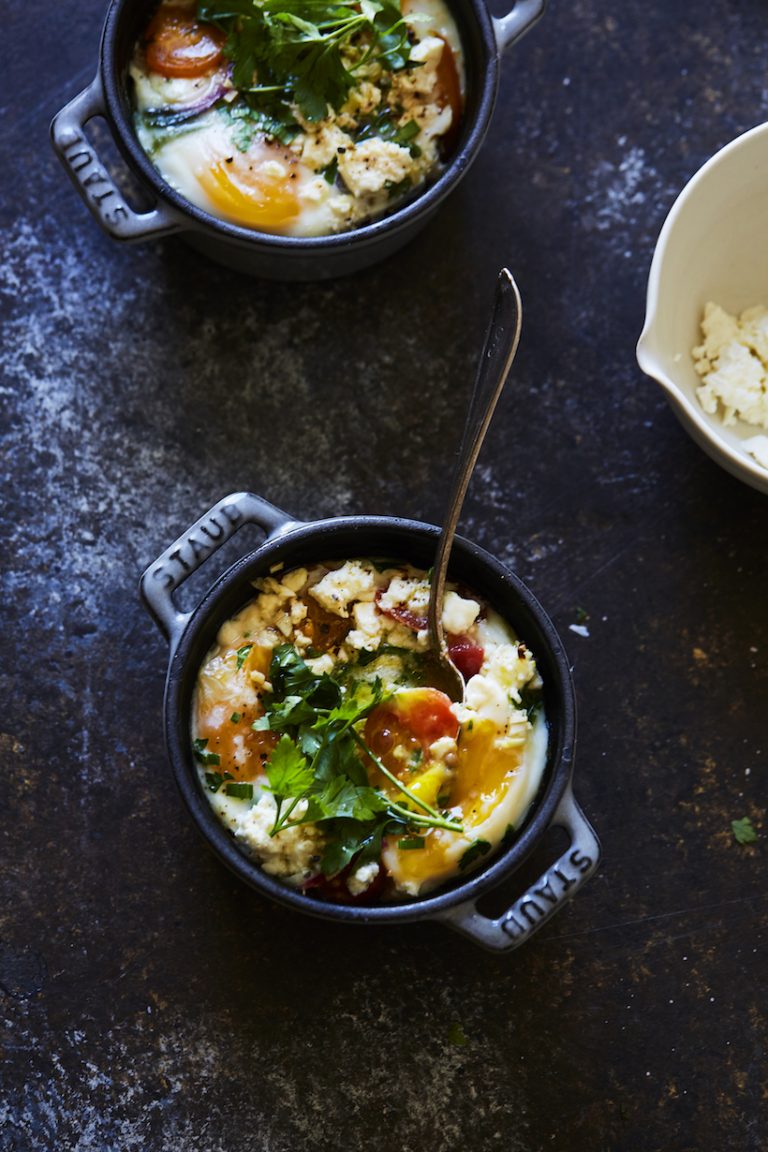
x=385 y=732
x=407 y=724
x=449 y=89
x=178 y=45
x=466 y=655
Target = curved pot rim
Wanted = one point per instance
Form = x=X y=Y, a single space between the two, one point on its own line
x=219 y=839
x=391 y=224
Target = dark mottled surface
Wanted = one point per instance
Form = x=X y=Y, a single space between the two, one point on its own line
x=147 y=1001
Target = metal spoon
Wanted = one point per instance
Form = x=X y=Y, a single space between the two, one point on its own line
x=501 y=341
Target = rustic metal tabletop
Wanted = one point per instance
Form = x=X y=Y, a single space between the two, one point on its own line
x=150 y=1001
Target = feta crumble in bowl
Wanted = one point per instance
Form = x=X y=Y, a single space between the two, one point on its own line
x=703 y=339
x=309 y=165
x=315 y=757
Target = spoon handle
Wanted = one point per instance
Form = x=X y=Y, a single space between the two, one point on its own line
x=499 y=348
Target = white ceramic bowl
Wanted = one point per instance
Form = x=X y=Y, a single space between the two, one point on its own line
x=713 y=246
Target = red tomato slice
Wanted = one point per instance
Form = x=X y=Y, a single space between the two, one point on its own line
x=466 y=655
x=413 y=719
x=178 y=45
x=449 y=88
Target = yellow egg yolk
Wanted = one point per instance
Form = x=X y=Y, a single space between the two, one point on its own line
x=249 y=189
x=483 y=782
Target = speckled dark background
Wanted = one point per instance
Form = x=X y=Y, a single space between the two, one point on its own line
x=147 y=1000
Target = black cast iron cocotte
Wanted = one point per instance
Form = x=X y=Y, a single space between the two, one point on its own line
x=290 y=543
x=484 y=39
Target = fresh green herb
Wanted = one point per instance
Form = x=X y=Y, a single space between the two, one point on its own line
x=477 y=849
x=239 y=791
x=385 y=124
x=398 y=187
x=307 y=51
x=320 y=763
x=242 y=655
x=236 y=717
x=581 y=615
x=416 y=758
x=198 y=751
x=331 y=171
x=531 y=702
x=273 y=118
x=289 y=775
x=743 y=831
x=411 y=843
x=456 y=1036
x=213 y=781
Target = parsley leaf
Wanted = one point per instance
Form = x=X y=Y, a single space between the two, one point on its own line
x=743 y=831
x=287 y=770
x=306 y=51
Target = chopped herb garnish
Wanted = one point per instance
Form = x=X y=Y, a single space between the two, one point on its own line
x=247 y=122
x=531 y=701
x=200 y=754
x=239 y=791
x=242 y=655
x=411 y=843
x=307 y=51
x=317 y=772
x=743 y=831
x=385 y=125
x=236 y=717
x=213 y=781
x=475 y=851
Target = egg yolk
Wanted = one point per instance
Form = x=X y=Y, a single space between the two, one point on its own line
x=250 y=191
x=481 y=780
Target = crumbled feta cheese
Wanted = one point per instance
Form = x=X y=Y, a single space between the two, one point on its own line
x=339 y=588
x=292 y=854
x=412 y=595
x=370 y=167
x=443 y=749
x=319 y=148
x=733 y=363
x=295 y=580
x=368 y=626
x=362 y=878
x=459 y=614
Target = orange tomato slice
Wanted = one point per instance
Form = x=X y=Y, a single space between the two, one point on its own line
x=178 y=45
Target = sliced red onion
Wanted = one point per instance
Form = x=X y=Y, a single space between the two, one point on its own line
x=180 y=110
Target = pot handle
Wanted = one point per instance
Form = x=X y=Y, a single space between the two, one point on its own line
x=193 y=548
x=91 y=178
x=516 y=23
x=546 y=896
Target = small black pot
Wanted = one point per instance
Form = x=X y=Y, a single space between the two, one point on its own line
x=484 y=38
x=292 y=544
